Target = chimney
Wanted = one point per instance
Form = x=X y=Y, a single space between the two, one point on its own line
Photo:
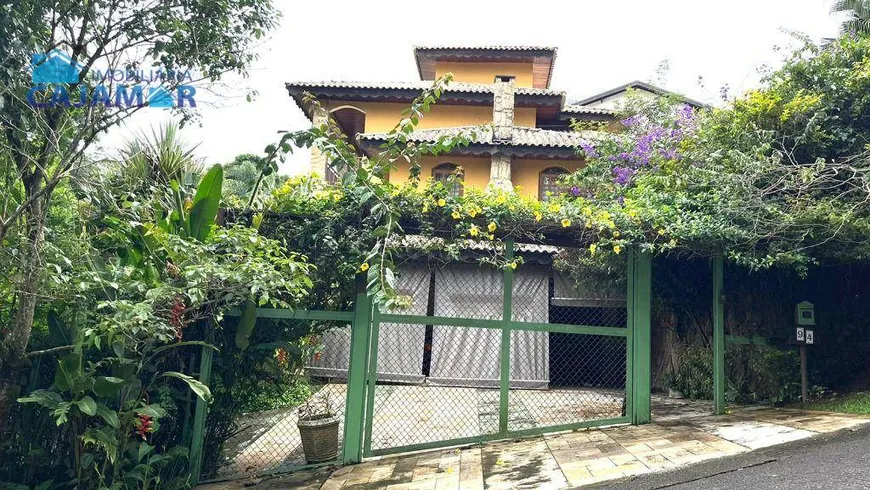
x=503 y=107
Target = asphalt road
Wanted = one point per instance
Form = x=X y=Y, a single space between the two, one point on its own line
x=835 y=461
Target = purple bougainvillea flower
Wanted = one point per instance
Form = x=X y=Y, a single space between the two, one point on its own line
x=631 y=121
x=622 y=175
x=588 y=149
x=575 y=190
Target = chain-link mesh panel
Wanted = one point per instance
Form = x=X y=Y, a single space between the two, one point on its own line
x=597 y=316
x=587 y=376
x=406 y=414
x=469 y=291
x=259 y=417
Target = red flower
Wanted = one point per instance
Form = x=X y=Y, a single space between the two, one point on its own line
x=176 y=318
x=143 y=425
x=281 y=356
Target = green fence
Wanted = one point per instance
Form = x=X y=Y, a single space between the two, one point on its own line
x=485 y=373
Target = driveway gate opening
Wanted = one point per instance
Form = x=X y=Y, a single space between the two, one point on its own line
x=508 y=354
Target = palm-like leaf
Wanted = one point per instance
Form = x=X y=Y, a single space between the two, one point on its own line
x=162 y=156
x=858 y=15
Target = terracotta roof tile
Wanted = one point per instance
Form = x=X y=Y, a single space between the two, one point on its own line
x=520 y=136
x=476 y=88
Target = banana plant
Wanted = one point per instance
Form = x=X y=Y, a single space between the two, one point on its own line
x=203 y=209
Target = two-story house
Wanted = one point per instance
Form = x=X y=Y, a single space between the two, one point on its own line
x=526 y=142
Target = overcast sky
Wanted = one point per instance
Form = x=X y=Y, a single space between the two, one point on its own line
x=601 y=44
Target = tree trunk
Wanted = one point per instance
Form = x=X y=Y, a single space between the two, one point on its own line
x=15 y=345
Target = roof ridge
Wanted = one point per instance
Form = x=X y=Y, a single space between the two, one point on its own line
x=494 y=47
x=419 y=84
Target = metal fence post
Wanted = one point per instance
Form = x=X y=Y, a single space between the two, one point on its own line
x=639 y=292
x=354 y=415
x=504 y=359
x=197 y=441
x=372 y=381
x=718 y=337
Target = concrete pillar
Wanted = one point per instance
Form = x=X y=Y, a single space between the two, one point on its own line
x=500 y=172
x=502 y=123
x=318 y=159
x=503 y=109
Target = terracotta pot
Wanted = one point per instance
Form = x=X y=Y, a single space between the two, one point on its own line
x=319 y=437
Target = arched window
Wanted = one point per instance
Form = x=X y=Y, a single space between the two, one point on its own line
x=442 y=173
x=548 y=182
x=352 y=122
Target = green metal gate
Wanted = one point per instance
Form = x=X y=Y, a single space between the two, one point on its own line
x=382 y=418
x=400 y=417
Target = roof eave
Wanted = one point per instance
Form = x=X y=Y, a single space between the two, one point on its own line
x=637 y=84
x=371 y=146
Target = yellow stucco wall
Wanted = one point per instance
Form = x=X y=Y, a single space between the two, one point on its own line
x=525 y=117
x=476 y=169
x=525 y=173
x=485 y=72
x=383 y=116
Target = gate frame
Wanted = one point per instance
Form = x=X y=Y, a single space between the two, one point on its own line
x=637 y=368
x=365 y=320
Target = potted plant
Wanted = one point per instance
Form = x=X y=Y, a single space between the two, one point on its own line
x=318 y=428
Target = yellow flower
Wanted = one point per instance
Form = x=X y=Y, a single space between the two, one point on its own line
x=538 y=216
x=474 y=230
x=513 y=265
x=593 y=248
x=554 y=208
x=491 y=226
x=455 y=214
x=491 y=236
x=661 y=231
x=617 y=249
x=587 y=211
x=588 y=224
x=672 y=243
x=632 y=213
x=501 y=199
x=442 y=203
x=472 y=212
x=566 y=223
x=364 y=267
x=425 y=207
x=615 y=234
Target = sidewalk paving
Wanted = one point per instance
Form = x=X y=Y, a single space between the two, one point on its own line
x=572 y=459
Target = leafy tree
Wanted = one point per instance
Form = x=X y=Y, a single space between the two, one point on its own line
x=817 y=105
x=243 y=180
x=778 y=177
x=858 y=15
x=42 y=146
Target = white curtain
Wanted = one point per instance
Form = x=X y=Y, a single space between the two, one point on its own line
x=400 y=346
x=469 y=356
x=334 y=357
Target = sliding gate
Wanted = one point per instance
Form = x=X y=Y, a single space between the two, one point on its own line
x=489 y=375
x=489 y=370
